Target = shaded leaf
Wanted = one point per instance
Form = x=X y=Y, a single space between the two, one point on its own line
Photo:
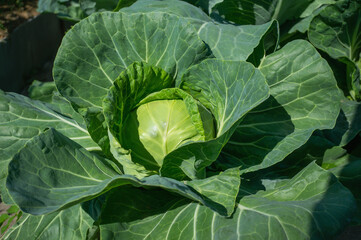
x=62 y=173
x=257 y=12
x=226 y=41
x=42 y=91
x=224 y=87
x=312 y=205
x=72 y=223
x=304 y=97
x=95 y=51
x=22 y=118
x=337 y=31
x=222 y=188
x=75 y=10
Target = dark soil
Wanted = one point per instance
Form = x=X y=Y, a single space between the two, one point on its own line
x=351 y=233
x=15 y=12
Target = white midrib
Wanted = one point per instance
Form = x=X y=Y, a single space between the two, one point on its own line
x=195 y=222
x=64 y=120
x=171 y=207
x=20 y=226
x=176 y=217
x=242 y=208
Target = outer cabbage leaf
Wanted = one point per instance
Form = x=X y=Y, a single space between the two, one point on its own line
x=347 y=169
x=348 y=124
x=337 y=31
x=258 y=11
x=42 y=91
x=245 y=12
x=47 y=92
x=62 y=174
x=325 y=147
x=94 y=206
x=239 y=43
x=75 y=10
x=314 y=5
x=22 y=118
x=205 y=5
x=307 y=16
x=175 y=7
x=222 y=189
x=97 y=128
x=303 y=25
x=66 y=9
x=129 y=166
x=72 y=223
x=229 y=89
x=92 y=6
x=226 y=41
x=292 y=16
x=304 y=97
x=325 y=144
x=312 y=205
x=96 y=50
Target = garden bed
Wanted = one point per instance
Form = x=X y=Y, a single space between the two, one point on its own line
x=14 y=13
x=29 y=48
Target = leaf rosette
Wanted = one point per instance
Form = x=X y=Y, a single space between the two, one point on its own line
x=166 y=117
x=152 y=124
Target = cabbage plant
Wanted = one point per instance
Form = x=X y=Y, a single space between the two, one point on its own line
x=75 y=10
x=164 y=124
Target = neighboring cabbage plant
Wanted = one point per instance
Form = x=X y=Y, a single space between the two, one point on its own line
x=158 y=127
x=75 y=10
